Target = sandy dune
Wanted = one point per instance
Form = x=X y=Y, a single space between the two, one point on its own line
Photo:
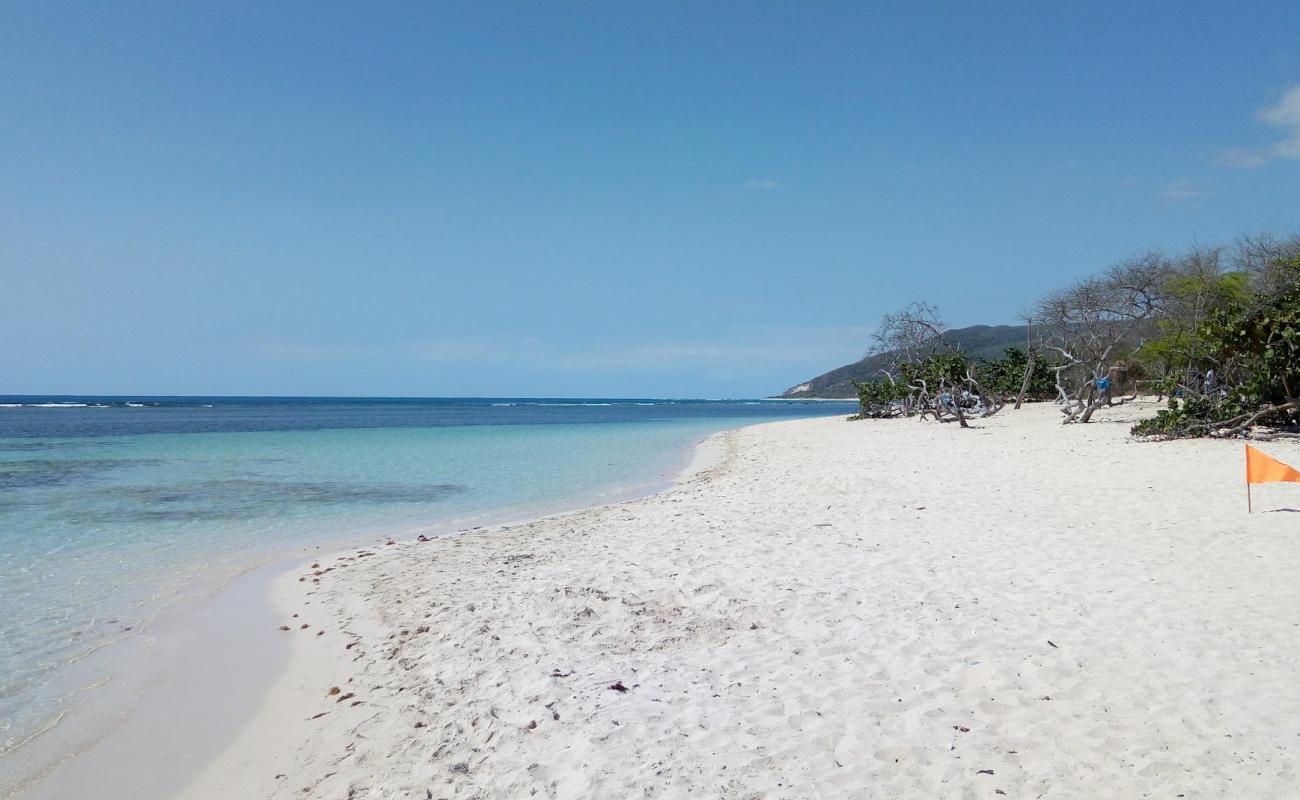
x=876 y=609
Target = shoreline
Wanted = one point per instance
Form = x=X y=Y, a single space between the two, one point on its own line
x=200 y=630
x=185 y=688
x=825 y=613
x=292 y=692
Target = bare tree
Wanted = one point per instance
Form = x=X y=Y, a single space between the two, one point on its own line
x=935 y=379
x=1262 y=256
x=1097 y=325
x=911 y=334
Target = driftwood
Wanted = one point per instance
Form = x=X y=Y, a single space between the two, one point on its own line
x=915 y=340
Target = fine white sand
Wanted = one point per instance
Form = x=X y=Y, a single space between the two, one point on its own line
x=868 y=609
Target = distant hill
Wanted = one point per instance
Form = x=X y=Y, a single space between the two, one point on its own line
x=980 y=341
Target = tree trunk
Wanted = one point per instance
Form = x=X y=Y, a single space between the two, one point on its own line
x=956 y=404
x=1024 y=384
x=1102 y=399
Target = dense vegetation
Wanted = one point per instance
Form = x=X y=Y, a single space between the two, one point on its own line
x=951 y=385
x=1236 y=364
x=928 y=374
x=1215 y=331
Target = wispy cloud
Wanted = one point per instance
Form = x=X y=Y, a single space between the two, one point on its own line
x=1185 y=189
x=761 y=183
x=424 y=350
x=1283 y=115
x=748 y=346
x=1242 y=158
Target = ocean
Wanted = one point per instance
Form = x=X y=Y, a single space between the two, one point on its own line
x=112 y=509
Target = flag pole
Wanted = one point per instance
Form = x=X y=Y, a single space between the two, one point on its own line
x=1249 y=510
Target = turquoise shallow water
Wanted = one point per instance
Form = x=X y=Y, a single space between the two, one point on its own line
x=103 y=528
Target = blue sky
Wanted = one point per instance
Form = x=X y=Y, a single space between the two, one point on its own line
x=600 y=199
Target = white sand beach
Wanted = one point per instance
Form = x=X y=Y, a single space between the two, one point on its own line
x=831 y=609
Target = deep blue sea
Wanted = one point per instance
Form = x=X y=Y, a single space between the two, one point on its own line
x=112 y=508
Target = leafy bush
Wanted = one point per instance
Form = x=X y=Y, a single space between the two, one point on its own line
x=880 y=399
x=1253 y=343
x=1006 y=375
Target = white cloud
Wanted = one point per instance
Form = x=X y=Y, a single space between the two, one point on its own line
x=761 y=183
x=1283 y=115
x=1185 y=189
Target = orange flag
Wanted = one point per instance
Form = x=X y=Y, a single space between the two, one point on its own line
x=1262 y=468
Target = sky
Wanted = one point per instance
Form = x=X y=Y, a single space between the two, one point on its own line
x=697 y=199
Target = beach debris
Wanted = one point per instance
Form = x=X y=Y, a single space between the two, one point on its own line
x=333 y=691
x=999 y=791
x=961 y=728
x=984 y=772
x=321 y=714
x=1053 y=644
x=555 y=715
x=618 y=686
x=460 y=768
x=284 y=627
x=420 y=724
x=532 y=725
x=558 y=674
x=347 y=696
x=304 y=627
